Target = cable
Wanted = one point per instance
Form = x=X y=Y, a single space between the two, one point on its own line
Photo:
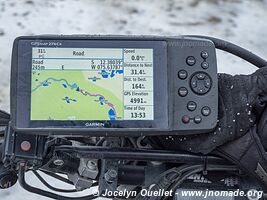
x=51 y=195
x=50 y=186
x=194 y=171
x=139 y=154
x=57 y=177
x=235 y=50
x=166 y=179
x=100 y=142
x=62 y=178
x=132 y=142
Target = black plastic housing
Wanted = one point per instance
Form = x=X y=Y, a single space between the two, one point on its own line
x=174 y=54
x=13 y=153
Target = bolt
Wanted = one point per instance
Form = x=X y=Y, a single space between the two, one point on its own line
x=111 y=175
x=91 y=165
x=58 y=162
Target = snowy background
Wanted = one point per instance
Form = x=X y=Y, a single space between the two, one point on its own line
x=240 y=21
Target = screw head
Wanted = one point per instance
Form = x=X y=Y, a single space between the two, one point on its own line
x=58 y=162
x=110 y=175
x=91 y=165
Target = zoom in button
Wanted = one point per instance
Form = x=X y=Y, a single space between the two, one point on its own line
x=182 y=91
x=205 y=111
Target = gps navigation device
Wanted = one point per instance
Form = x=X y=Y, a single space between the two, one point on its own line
x=96 y=85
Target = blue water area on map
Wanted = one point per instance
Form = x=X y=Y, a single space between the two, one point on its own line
x=101 y=100
x=94 y=79
x=112 y=73
x=106 y=74
x=64 y=85
x=74 y=86
x=112 y=115
x=69 y=100
x=46 y=83
x=120 y=71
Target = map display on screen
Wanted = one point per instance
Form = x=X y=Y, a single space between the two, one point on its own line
x=92 y=84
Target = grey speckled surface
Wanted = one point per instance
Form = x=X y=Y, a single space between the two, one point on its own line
x=240 y=21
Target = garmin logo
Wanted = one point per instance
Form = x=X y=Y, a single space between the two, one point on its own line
x=94 y=124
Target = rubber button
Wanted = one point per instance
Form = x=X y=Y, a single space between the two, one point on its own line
x=182 y=91
x=25 y=146
x=204 y=54
x=201 y=83
x=190 y=60
x=207 y=83
x=197 y=119
x=201 y=91
x=191 y=105
x=201 y=76
x=182 y=74
x=193 y=83
x=205 y=65
x=205 y=111
x=185 y=119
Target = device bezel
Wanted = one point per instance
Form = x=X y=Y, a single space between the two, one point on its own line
x=21 y=65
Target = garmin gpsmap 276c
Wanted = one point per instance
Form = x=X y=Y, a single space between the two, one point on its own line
x=71 y=94
x=113 y=85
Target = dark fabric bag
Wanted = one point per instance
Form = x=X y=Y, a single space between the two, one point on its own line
x=248 y=153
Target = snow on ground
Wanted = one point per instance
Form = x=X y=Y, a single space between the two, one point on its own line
x=240 y=21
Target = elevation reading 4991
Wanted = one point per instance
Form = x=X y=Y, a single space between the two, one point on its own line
x=92 y=84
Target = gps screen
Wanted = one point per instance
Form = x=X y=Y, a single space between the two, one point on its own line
x=92 y=84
